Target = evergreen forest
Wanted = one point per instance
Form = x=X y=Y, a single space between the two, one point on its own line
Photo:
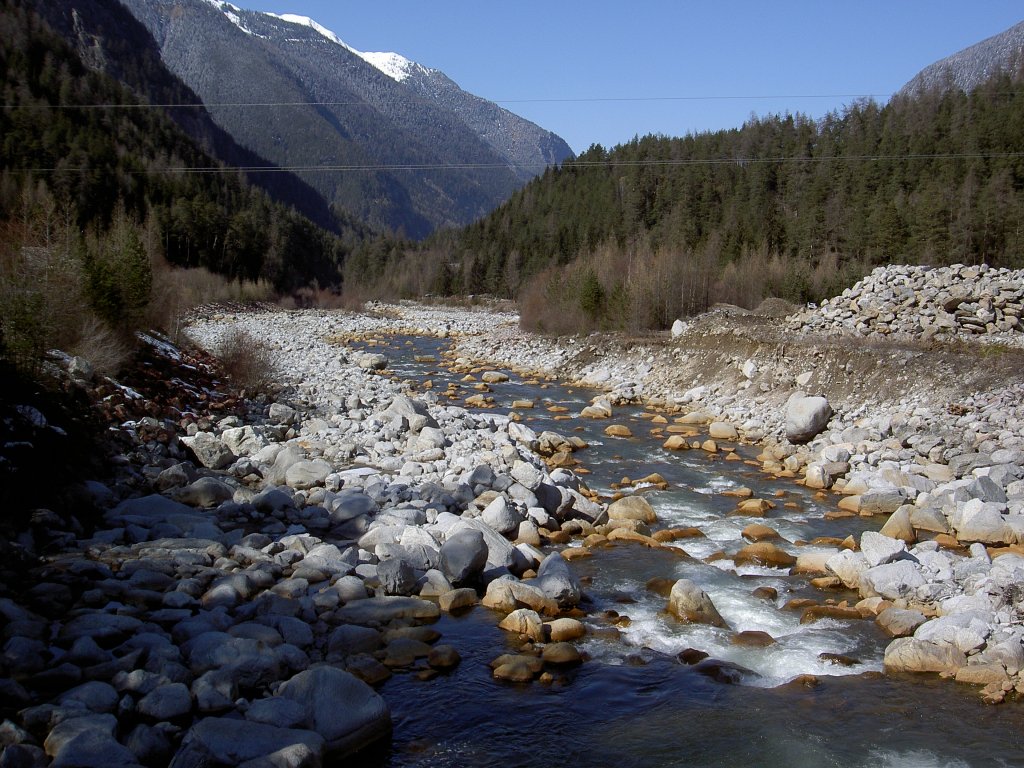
x=785 y=206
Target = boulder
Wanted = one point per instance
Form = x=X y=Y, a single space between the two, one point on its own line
x=764 y=553
x=689 y=602
x=806 y=417
x=891 y=581
x=899 y=622
x=217 y=741
x=209 y=450
x=557 y=581
x=346 y=712
x=307 y=473
x=909 y=654
x=879 y=549
x=501 y=516
x=87 y=742
x=720 y=430
x=396 y=576
x=464 y=555
x=205 y=492
x=632 y=508
x=372 y=361
x=167 y=702
x=524 y=622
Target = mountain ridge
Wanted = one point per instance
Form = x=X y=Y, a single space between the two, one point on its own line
x=409 y=161
x=970 y=67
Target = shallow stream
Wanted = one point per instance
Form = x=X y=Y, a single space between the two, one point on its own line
x=634 y=703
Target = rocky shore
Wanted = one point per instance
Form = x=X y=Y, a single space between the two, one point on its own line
x=259 y=561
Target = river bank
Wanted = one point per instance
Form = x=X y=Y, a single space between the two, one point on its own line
x=257 y=559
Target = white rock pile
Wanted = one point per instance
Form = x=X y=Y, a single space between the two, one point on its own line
x=924 y=303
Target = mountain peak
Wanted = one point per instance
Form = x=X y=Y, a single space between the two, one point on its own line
x=394 y=65
x=973 y=65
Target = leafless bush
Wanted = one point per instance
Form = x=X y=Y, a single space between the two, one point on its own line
x=101 y=345
x=248 y=362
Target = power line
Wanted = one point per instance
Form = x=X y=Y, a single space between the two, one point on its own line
x=563 y=100
x=336 y=168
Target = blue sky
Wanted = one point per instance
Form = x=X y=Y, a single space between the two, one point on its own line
x=602 y=72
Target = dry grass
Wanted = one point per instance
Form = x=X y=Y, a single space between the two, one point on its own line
x=177 y=291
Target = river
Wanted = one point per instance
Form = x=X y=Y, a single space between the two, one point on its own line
x=813 y=697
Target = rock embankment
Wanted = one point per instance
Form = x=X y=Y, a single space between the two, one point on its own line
x=260 y=565
x=924 y=303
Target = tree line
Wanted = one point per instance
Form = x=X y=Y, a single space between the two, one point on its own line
x=784 y=206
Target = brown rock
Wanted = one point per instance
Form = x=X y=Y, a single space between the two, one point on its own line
x=899 y=622
x=525 y=622
x=909 y=654
x=632 y=508
x=753 y=507
x=689 y=602
x=750 y=638
x=458 y=600
x=564 y=629
x=561 y=654
x=618 y=430
x=764 y=553
x=766 y=593
x=759 y=532
x=443 y=657
x=816 y=612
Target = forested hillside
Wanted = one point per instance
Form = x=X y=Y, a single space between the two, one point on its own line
x=785 y=206
x=96 y=192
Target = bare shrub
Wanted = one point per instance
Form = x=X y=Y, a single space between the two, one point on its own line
x=248 y=362
x=101 y=345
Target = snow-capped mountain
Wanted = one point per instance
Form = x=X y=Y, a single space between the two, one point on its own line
x=404 y=147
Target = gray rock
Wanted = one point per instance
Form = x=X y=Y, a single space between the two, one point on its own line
x=891 y=581
x=882 y=501
x=276 y=710
x=527 y=474
x=350 y=639
x=340 y=707
x=806 y=417
x=168 y=702
x=243 y=441
x=464 y=555
x=557 y=581
x=87 y=742
x=879 y=549
x=205 y=492
x=350 y=504
x=221 y=741
x=848 y=566
x=307 y=473
x=981 y=521
x=280 y=413
x=396 y=576
x=94 y=696
x=209 y=450
x=372 y=361
x=381 y=610
x=501 y=516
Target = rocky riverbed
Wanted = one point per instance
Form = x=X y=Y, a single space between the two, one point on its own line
x=258 y=561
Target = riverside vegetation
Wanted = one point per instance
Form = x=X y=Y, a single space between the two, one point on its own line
x=256 y=559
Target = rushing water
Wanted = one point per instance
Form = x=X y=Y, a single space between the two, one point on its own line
x=635 y=703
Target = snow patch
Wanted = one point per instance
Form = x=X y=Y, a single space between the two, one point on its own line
x=394 y=65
